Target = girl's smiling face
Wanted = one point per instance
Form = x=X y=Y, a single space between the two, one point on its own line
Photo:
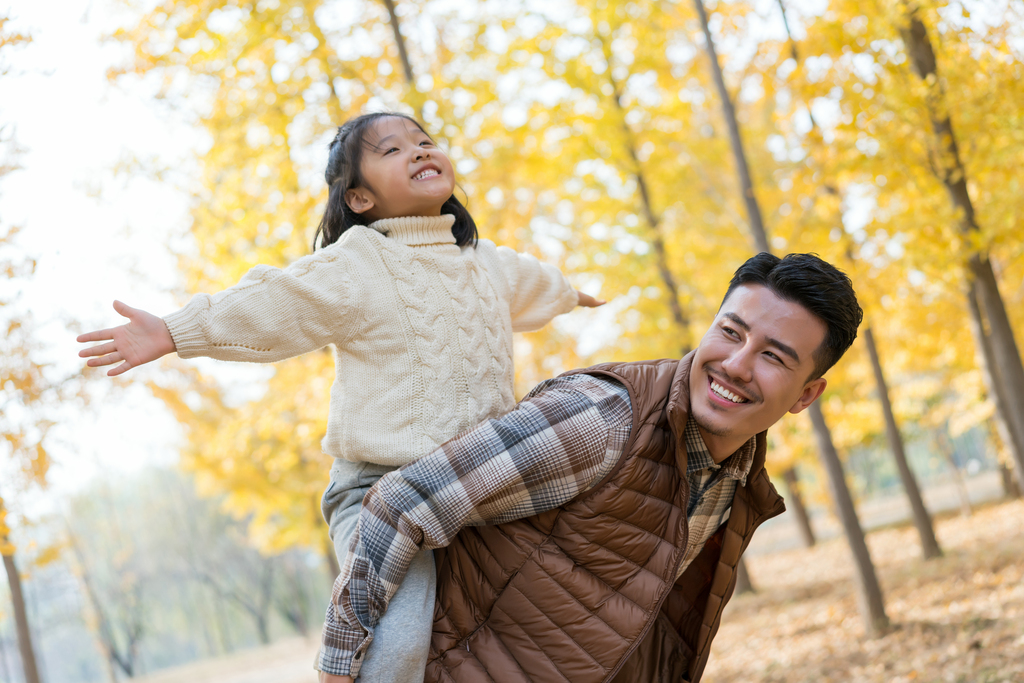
x=403 y=173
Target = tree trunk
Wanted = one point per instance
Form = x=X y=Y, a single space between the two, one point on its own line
x=5 y=668
x=869 y=593
x=993 y=383
x=743 y=584
x=803 y=520
x=729 y=112
x=223 y=627
x=105 y=630
x=945 y=445
x=929 y=545
x=1010 y=486
x=1006 y=366
x=403 y=54
x=261 y=629
x=651 y=217
x=1007 y=373
x=922 y=521
x=28 y=657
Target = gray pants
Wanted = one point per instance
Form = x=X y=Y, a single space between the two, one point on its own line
x=401 y=641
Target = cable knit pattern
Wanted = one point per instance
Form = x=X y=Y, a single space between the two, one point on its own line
x=422 y=330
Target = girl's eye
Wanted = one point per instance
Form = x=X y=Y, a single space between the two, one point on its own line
x=427 y=143
x=391 y=149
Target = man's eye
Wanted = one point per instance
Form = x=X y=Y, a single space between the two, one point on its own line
x=729 y=331
x=773 y=356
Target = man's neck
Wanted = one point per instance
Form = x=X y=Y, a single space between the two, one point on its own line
x=720 y=447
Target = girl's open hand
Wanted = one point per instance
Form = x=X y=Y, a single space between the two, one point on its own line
x=145 y=338
x=588 y=301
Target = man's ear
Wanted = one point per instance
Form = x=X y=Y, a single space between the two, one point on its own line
x=810 y=394
x=359 y=199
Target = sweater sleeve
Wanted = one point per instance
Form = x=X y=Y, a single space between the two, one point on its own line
x=539 y=290
x=271 y=314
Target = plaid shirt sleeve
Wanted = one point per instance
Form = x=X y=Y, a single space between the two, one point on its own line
x=558 y=442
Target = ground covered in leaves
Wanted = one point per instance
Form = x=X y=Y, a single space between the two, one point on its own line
x=958 y=618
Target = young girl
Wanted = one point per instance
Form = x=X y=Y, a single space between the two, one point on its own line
x=421 y=314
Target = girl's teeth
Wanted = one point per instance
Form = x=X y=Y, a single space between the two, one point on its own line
x=426 y=174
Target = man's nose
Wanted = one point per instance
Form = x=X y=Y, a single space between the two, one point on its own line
x=740 y=364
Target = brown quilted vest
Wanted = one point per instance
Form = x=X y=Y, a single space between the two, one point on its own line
x=586 y=593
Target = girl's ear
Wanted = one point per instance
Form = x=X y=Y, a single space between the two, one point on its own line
x=359 y=199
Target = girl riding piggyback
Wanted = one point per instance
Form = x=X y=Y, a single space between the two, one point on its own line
x=421 y=314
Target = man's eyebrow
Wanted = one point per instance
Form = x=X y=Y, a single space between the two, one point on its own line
x=785 y=348
x=738 y=320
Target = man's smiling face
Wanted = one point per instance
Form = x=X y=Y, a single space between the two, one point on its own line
x=753 y=366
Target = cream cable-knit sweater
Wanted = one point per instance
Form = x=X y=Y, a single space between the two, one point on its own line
x=421 y=328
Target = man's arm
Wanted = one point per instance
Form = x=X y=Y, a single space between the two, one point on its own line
x=557 y=443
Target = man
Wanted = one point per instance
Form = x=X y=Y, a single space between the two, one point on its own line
x=624 y=496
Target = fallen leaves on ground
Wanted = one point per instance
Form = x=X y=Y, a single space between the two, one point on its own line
x=958 y=618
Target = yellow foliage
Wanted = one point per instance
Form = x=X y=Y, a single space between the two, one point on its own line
x=589 y=135
x=25 y=391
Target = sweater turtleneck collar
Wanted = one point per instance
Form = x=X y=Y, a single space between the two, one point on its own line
x=418 y=230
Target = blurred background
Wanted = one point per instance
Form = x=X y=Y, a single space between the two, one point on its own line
x=165 y=526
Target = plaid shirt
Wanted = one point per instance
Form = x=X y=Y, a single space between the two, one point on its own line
x=712 y=486
x=562 y=439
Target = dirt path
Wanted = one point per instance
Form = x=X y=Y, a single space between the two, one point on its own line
x=286 y=661
x=959 y=618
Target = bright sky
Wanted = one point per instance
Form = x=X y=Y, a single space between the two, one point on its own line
x=96 y=236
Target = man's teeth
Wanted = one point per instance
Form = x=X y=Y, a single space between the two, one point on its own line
x=425 y=174
x=725 y=393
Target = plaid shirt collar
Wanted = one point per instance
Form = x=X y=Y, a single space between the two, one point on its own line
x=736 y=466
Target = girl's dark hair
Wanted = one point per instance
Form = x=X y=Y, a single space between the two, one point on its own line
x=818 y=286
x=343 y=174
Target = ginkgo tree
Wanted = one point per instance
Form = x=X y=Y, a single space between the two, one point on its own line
x=923 y=101
x=25 y=391
x=584 y=132
x=267 y=82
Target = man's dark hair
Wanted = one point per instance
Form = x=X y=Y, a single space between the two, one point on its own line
x=818 y=286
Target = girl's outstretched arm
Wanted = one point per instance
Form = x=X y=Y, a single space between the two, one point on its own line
x=143 y=339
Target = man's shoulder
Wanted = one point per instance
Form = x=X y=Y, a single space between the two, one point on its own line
x=633 y=371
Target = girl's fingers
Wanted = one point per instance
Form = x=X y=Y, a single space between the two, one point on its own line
x=97 y=350
x=98 y=335
x=109 y=359
x=123 y=367
x=124 y=309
